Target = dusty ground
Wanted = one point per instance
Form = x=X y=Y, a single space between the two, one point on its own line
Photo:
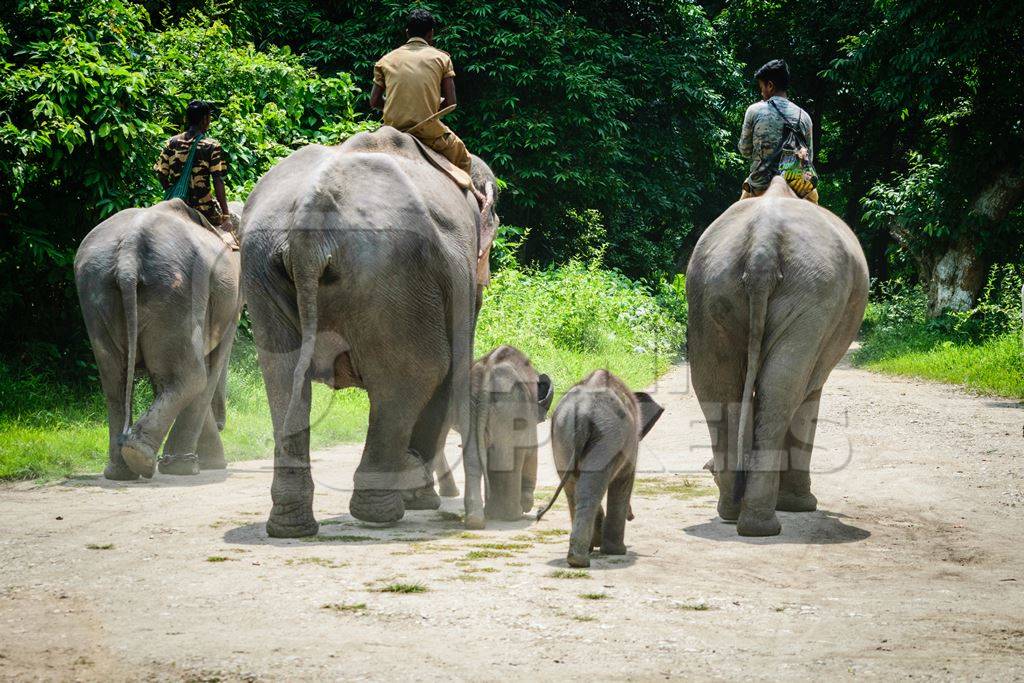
x=913 y=566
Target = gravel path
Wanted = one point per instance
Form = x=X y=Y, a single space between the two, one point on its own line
x=913 y=566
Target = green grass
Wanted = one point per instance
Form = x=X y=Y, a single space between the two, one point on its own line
x=218 y=558
x=342 y=607
x=403 y=588
x=594 y=596
x=569 y=320
x=679 y=487
x=570 y=574
x=993 y=366
x=100 y=546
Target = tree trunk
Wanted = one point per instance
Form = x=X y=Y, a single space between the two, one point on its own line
x=955 y=279
x=956 y=273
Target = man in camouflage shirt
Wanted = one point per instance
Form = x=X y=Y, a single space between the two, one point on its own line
x=763 y=128
x=208 y=167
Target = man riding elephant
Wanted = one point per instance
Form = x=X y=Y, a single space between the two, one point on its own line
x=190 y=163
x=777 y=137
x=777 y=289
x=360 y=269
x=408 y=84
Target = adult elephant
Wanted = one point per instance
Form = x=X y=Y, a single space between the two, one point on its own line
x=160 y=294
x=777 y=288
x=360 y=269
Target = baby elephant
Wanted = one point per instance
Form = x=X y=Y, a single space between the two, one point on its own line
x=509 y=399
x=595 y=433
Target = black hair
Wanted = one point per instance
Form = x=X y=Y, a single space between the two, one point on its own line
x=196 y=111
x=419 y=23
x=775 y=71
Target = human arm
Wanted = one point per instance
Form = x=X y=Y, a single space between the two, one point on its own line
x=448 y=90
x=379 y=86
x=746 y=144
x=377 y=97
x=222 y=198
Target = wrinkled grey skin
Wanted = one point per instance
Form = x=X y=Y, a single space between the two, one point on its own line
x=160 y=295
x=595 y=433
x=359 y=269
x=777 y=288
x=509 y=399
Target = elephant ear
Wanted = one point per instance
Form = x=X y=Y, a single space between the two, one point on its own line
x=650 y=411
x=545 y=392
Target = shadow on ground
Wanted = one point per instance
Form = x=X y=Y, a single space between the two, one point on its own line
x=160 y=481
x=810 y=528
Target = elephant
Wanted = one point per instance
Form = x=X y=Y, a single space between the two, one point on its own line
x=160 y=293
x=595 y=435
x=359 y=268
x=777 y=288
x=508 y=399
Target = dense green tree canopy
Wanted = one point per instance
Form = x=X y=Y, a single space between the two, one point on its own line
x=612 y=122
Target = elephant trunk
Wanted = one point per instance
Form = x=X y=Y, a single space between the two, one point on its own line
x=504 y=499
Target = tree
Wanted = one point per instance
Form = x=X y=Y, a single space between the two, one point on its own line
x=623 y=107
x=88 y=94
x=949 y=77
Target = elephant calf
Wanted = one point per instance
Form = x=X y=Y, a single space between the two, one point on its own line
x=509 y=399
x=595 y=433
x=160 y=293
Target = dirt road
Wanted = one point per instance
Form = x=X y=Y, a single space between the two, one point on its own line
x=913 y=565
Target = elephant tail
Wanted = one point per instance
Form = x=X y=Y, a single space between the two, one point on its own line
x=127 y=274
x=758 y=290
x=306 y=280
x=581 y=445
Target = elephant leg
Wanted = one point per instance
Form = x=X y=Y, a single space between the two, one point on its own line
x=384 y=471
x=529 y=479
x=427 y=442
x=210 y=448
x=177 y=385
x=112 y=378
x=795 y=480
x=589 y=492
x=614 y=531
x=179 y=455
x=718 y=383
x=291 y=491
x=473 y=499
x=181 y=451
x=445 y=479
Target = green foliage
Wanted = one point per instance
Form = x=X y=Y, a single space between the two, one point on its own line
x=88 y=94
x=620 y=107
x=981 y=348
x=574 y=318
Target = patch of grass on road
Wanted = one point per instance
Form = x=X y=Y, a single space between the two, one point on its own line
x=343 y=607
x=99 y=546
x=594 y=596
x=570 y=574
x=680 y=488
x=403 y=588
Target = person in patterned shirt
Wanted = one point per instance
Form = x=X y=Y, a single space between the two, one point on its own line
x=763 y=126
x=208 y=167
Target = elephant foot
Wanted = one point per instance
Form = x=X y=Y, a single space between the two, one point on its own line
x=140 y=458
x=291 y=525
x=727 y=511
x=503 y=511
x=423 y=498
x=475 y=521
x=796 y=502
x=376 y=505
x=751 y=524
x=447 y=487
x=118 y=471
x=613 y=548
x=182 y=464
x=526 y=502
x=579 y=561
x=212 y=462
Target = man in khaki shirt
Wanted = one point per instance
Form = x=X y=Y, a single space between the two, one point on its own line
x=414 y=77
